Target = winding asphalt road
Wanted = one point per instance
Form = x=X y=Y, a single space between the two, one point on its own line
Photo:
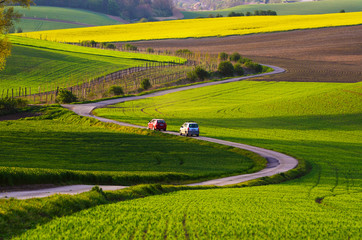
x=277 y=162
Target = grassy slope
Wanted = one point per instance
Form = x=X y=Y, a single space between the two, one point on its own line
x=30 y=25
x=62 y=14
x=250 y=213
x=318 y=122
x=61 y=140
x=35 y=63
x=199 y=28
x=319 y=7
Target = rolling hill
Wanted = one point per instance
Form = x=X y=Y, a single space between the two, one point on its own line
x=298 y=8
x=38 y=18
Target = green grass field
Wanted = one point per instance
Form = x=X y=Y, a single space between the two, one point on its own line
x=30 y=25
x=59 y=14
x=301 y=8
x=317 y=122
x=35 y=63
x=272 y=212
x=60 y=140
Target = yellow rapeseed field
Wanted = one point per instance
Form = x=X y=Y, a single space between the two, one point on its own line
x=198 y=28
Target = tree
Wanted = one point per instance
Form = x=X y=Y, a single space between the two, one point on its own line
x=223 y=56
x=235 y=57
x=65 y=96
x=7 y=18
x=238 y=69
x=145 y=84
x=116 y=90
x=226 y=68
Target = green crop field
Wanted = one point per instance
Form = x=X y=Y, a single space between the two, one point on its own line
x=31 y=25
x=272 y=212
x=48 y=146
x=59 y=14
x=317 y=122
x=35 y=63
x=301 y=8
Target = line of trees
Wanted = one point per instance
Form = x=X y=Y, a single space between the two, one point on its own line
x=127 y=9
x=256 y=13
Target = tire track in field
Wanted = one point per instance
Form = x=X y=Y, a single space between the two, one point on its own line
x=277 y=162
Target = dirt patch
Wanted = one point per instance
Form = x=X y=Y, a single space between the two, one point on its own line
x=26 y=187
x=317 y=55
x=17 y=116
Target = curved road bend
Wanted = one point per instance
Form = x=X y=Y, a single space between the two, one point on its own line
x=277 y=162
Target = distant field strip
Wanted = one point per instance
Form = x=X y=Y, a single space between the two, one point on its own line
x=196 y=28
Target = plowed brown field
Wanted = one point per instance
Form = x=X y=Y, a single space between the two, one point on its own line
x=318 y=55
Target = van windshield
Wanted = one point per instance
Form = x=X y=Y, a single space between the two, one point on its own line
x=193 y=125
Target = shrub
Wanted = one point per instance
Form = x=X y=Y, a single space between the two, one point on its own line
x=150 y=50
x=145 y=84
x=238 y=69
x=223 y=56
x=116 y=90
x=234 y=14
x=93 y=43
x=191 y=76
x=110 y=46
x=19 y=30
x=130 y=47
x=244 y=60
x=181 y=52
x=235 y=57
x=65 y=96
x=254 y=66
x=226 y=68
x=10 y=105
x=87 y=43
x=201 y=73
x=198 y=74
